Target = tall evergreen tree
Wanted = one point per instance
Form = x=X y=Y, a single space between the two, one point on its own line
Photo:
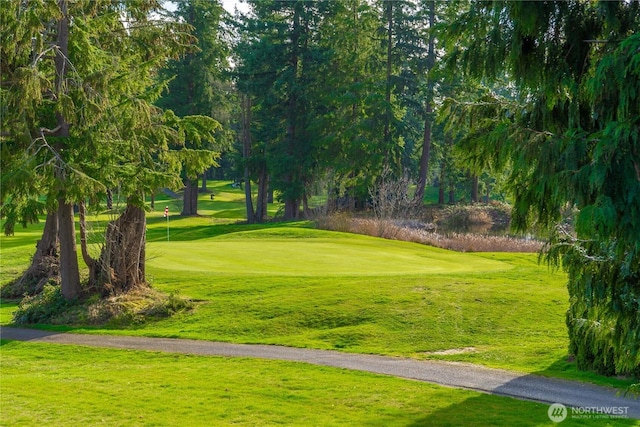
x=196 y=87
x=77 y=88
x=277 y=67
x=574 y=144
x=351 y=90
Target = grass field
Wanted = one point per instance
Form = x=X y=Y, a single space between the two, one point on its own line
x=290 y=284
x=86 y=386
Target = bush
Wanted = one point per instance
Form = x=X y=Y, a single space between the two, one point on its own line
x=134 y=307
x=49 y=306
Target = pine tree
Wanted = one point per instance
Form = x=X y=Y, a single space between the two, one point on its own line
x=573 y=144
x=351 y=90
x=78 y=83
x=196 y=87
x=278 y=64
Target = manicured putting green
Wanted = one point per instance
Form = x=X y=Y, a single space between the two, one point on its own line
x=306 y=252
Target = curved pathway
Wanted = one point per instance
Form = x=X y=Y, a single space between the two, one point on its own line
x=494 y=381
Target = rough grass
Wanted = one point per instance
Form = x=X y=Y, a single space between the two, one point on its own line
x=409 y=232
x=134 y=307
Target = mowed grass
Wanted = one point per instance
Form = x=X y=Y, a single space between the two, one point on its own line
x=289 y=284
x=50 y=384
x=288 y=251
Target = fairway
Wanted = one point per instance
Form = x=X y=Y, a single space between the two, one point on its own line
x=307 y=252
x=292 y=285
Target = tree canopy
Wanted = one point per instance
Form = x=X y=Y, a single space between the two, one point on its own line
x=78 y=84
x=572 y=143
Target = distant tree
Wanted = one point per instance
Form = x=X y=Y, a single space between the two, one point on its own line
x=197 y=87
x=429 y=65
x=277 y=66
x=351 y=90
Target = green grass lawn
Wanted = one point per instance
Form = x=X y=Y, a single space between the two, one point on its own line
x=43 y=384
x=290 y=284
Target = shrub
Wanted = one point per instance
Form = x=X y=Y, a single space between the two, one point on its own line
x=49 y=306
x=391 y=197
x=134 y=307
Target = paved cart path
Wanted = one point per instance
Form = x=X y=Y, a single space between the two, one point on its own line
x=461 y=375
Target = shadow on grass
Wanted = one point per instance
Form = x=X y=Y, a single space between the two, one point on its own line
x=487 y=410
x=562 y=368
x=473 y=412
x=191 y=232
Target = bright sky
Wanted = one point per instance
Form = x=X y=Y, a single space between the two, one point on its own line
x=229 y=5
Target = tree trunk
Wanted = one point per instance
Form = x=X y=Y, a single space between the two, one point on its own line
x=306 y=212
x=270 y=197
x=203 y=187
x=443 y=176
x=387 y=96
x=69 y=269
x=109 y=199
x=246 y=154
x=45 y=264
x=474 y=189
x=251 y=217
x=452 y=194
x=90 y=262
x=428 y=111
x=291 y=209
x=291 y=201
x=122 y=260
x=190 y=198
x=263 y=195
x=424 y=157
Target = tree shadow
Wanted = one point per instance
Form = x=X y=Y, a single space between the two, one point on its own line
x=488 y=410
x=192 y=232
x=491 y=410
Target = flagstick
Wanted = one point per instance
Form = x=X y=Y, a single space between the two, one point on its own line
x=166 y=215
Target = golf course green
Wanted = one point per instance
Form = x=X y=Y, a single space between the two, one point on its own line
x=290 y=284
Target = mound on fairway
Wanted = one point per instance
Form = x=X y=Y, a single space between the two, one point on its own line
x=308 y=252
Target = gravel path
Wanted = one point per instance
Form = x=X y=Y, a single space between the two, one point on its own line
x=494 y=381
